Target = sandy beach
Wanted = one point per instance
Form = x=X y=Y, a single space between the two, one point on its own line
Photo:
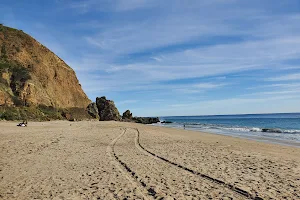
x=115 y=160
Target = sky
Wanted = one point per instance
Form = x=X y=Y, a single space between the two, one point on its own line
x=173 y=57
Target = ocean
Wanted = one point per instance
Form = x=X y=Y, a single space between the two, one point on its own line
x=281 y=128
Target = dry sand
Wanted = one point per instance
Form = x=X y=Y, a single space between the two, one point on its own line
x=114 y=160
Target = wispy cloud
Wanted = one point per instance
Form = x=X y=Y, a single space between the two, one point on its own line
x=276 y=92
x=108 y=83
x=127 y=5
x=235 y=106
x=200 y=62
x=126 y=102
x=84 y=6
x=175 y=52
x=159 y=59
x=288 y=77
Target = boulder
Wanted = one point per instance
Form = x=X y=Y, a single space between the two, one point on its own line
x=93 y=110
x=271 y=130
x=107 y=109
x=146 y=120
x=166 y=122
x=127 y=115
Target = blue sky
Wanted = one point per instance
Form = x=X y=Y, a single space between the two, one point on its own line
x=174 y=57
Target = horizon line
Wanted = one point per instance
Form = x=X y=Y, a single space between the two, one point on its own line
x=231 y=114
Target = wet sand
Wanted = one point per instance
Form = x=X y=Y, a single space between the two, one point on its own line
x=114 y=160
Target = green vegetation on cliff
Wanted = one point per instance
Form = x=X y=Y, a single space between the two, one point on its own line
x=14 y=81
x=43 y=113
x=16 y=74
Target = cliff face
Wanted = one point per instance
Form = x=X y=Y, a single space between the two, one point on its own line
x=30 y=74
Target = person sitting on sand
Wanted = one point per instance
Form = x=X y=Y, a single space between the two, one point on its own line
x=23 y=124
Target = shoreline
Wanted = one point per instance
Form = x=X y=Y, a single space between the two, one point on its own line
x=257 y=138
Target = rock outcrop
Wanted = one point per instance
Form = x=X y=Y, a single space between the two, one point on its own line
x=166 y=122
x=146 y=120
x=107 y=109
x=30 y=74
x=93 y=110
x=127 y=115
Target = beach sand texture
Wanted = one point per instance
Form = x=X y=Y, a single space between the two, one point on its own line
x=115 y=160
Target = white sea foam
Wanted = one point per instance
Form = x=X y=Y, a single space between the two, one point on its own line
x=291 y=131
x=268 y=126
x=235 y=129
x=254 y=129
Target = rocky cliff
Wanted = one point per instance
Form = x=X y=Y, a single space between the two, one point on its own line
x=30 y=74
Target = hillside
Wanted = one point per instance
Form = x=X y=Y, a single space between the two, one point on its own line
x=32 y=75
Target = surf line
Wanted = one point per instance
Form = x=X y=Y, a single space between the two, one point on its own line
x=220 y=182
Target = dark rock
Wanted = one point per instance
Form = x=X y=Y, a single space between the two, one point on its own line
x=93 y=110
x=166 y=122
x=271 y=130
x=127 y=115
x=146 y=120
x=107 y=109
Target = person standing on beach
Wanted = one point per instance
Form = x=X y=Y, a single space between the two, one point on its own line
x=183 y=126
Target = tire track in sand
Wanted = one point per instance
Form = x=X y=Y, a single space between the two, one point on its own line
x=204 y=176
x=146 y=193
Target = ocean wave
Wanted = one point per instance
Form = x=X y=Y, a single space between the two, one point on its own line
x=291 y=131
x=236 y=128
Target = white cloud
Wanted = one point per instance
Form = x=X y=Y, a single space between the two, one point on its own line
x=173 y=24
x=286 y=85
x=288 y=103
x=126 y=102
x=85 y=6
x=208 y=85
x=126 y=5
x=276 y=92
x=94 y=42
x=200 y=62
x=159 y=59
x=288 y=77
x=108 y=83
x=149 y=46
